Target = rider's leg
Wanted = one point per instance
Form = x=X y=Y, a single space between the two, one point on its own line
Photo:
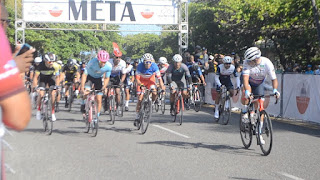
x=99 y=103
x=217 y=103
x=118 y=96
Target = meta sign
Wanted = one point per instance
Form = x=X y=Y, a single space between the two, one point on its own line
x=109 y=12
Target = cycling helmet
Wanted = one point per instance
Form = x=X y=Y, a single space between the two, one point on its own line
x=117 y=52
x=136 y=61
x=227 y=60
x=195 y=66
x=211 y=57
x=177 y=58
x=59 y=62
x=127 y=60
x=50 y=57
x=252 y=53
x=70 y=62
x=163 y=60
x=309 y=66
x=147 y=56
x=38 y=60
x=103 y=56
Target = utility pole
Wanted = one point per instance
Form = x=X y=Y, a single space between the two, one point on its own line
x=316 y=17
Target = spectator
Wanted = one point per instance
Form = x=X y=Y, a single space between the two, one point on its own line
x=309 y=69
x=24 y=60
x=317 y=72
x=205 y=58
x=212 y=65
x=296 y=68
x=197 y=54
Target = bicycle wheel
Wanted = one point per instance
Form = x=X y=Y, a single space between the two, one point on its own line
x=141 y=114
x=70 y=99
x=226 y=112
x=122 y=103
x=49 y=116
x=197 y=101
x=265 y=132
x=146 y=117
x=44 y=115
x=156 y=105
x=86 y=120
x=95 y=121
x=163 y=103
x=175 y=110
x=112 y=112
x=245 y=133
x=181 y=108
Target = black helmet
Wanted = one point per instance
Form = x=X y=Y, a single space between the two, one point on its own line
x=127 y=60
x=195 y=66
x=136 y=60
x=70 y=62
x=83 y=62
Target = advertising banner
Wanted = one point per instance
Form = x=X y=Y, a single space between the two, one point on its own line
x=108 y=12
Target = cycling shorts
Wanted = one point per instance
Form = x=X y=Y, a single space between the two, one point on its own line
x=147 y=83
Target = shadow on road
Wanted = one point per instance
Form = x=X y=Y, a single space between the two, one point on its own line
x=224 y=148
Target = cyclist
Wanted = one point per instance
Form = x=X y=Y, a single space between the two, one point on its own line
x=71 y=74
x=255 y=70
x=176 y=75
x=163 y=66
x=129 y=81
x=118 y=75
x=59 y=87
x=195 y=71
x=96 y=69
x=224 y=71
x=146 y=74
x=48 y=71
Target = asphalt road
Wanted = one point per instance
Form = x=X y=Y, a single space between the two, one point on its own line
x=199 y=149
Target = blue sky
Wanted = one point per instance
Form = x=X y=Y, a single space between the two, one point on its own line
x=123 y=29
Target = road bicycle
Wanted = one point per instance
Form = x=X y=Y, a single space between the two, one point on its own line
x=225 y=106
x=178 y=107
x=145 y=110
x=255 y=126
x=160 y=103
x=90 y=116
x=46 y=111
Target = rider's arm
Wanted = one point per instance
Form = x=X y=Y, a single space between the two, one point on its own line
x=186 y=70
x=272 y=74
x=35 y=79
x=83 y=80
x=217 y=76
x=246 y=82
x=105 y=81
x=164 y=68
x=158 y=75
x=57 y=73
x=235 y=73
x=77 y=76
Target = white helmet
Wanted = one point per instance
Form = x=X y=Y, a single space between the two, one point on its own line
x=163 y=60
x=38 y=60
x=74 y=61
x=227 y=59
x=177 y=58
x=59 y=62
x=211 y=57
x=252 y=53
x=147 y=56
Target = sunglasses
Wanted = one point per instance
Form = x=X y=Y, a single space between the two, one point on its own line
x=118 y=57
x=227 y=63
x=147 y=62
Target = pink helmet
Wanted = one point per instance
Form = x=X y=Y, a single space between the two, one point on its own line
x=103 y=56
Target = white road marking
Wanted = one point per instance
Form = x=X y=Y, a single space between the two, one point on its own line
x=290 y=176
x=169 y=130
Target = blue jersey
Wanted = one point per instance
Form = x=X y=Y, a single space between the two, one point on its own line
x=94 y=70
x=148 y=73
x=193 y=71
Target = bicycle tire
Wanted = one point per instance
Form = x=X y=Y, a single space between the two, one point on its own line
x=112 y=110
x=141 y=113
x=49 y=115
x=226 y=112
x=146 y=117
x=163 y=103
x=197 y=101
x=44 y=115
x=95 y=121
x=266 y=133
x=156 y=105
x=86 y=120
x=70 y=100
x=122 y=103
x=181 y=108
x=174 y=110
x=245 y=133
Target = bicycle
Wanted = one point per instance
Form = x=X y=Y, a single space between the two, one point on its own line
x=91 y=115
x=195 y=98
x=110 y=103
x=71 y=95
x=122 y=102
x=145 y=110
x=178 y=107
x=224 y=111
x=46 y=111
x=160 y=103
x=28 y=84
x=254 y=125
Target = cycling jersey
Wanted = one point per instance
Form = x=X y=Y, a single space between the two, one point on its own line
x=147 y=76
x=46 y=72
x=31 y=69
x=93 y=69
x=257 y=74
x=223 y=76
x=119 y=69
x=194 y=72
x=163 y=68
x=130 y=74
x=178 y=74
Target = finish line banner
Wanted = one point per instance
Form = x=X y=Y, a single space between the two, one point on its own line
x=109 y=12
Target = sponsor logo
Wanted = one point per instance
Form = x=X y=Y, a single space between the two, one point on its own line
x=303 y=96
x=147 y=13
x=55 y=12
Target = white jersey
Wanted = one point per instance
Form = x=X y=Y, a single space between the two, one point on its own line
x=119 y=69
x=224 y=73
x=257 y=74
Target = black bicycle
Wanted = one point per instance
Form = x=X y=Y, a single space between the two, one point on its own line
x=145 y=110
x=225 y=106
x=259 y=124
x=71 y=94
x=46 y=111
x=160 y=103
x=122 y=102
